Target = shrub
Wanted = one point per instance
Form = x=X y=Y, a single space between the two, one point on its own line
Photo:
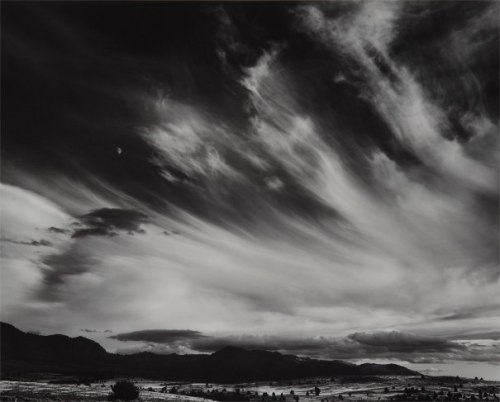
x=124 y=390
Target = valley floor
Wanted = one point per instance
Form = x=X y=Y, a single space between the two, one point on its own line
x=346 y=389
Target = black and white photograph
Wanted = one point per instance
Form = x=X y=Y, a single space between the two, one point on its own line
x=249 y=200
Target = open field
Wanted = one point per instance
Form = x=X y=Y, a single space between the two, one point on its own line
x=42 y=391
x=347 y=389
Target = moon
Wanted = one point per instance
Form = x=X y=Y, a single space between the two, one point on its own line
x=118 y=150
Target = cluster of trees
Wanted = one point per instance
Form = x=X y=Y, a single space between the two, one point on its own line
x=123 y=390
x=316 y=391
x=413 y=394
x=236 y=395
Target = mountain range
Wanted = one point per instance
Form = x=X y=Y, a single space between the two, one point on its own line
x=28 y=355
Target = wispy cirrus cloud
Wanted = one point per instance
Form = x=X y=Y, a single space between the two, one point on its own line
x=320 y=178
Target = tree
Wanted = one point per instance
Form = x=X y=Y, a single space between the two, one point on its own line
x=124 y=390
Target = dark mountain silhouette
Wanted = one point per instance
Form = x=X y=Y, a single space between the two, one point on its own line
x=25 y=353
x=30 y=355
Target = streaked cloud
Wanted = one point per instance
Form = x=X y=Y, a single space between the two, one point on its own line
x=313 y=180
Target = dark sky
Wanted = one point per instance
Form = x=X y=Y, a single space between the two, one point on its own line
x=258 y=174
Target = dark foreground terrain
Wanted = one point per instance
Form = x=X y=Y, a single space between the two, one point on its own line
x=385 y=388
x=31 y=356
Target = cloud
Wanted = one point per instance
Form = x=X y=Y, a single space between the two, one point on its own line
x=468 y=313
x=493 y=335
x=414 y=118
x=99 y=231
x=365 y=255
x=404 y=343
x=329 y=184
x=392 y=345
x=106 y=221
x=36 y=243
x=106 y=331
x=58 y=268
x=53 y=229
x=24 y=211
x=190 y=145
x=159 y=335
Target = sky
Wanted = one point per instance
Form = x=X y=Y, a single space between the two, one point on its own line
x=314 y=178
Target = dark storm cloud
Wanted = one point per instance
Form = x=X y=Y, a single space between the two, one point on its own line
x=160 y=336
x=403 y=343
x=99 y=231
x=379 y=345
x=54 y=229
x=107 y=221
x=357 y=345
x=200 y=342
x=58 y=268
x=270 y=343
x=122 y=219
